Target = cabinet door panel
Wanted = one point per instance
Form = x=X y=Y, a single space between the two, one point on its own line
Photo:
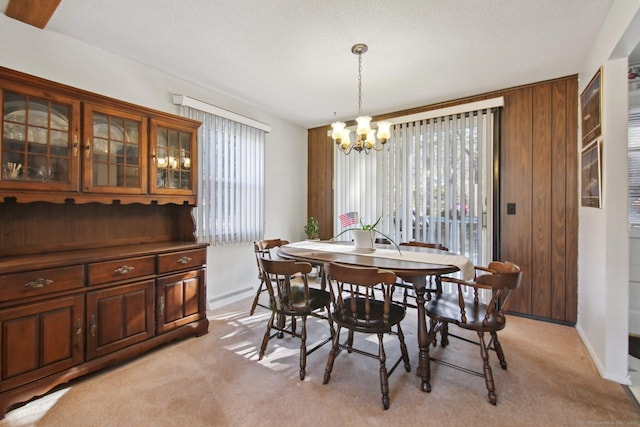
x=22 y=333
x=40 y=339
x=180 y=300
x=119 y=317
x=114 y=151
x=56 y=325
x=172 y=169
x=40 y=131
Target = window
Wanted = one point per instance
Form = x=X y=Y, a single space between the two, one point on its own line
x=431 y=183
x=230 y=180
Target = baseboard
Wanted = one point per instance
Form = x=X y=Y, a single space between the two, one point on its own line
x=229 y=298
x=542 y=319
x=596 y=361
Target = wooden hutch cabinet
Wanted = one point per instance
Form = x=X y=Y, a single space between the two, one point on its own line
x=98 y=258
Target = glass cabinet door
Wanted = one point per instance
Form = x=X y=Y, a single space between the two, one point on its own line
x=114 y=151
x=39 y=140
x=172 y=158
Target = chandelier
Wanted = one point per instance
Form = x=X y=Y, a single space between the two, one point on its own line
x=365 y=136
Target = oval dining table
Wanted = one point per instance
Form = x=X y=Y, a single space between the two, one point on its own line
x=410 y=264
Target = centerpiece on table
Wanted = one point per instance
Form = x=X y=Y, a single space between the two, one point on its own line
x=363 y=234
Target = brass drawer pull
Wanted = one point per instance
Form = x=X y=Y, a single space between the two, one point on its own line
x=38 y=283
x=184 y=260
x=124 y=269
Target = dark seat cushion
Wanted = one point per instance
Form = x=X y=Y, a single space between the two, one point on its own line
x=374 y=324
x=445 y=308
x=317 y=299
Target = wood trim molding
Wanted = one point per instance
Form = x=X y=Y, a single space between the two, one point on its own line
x=32 y=12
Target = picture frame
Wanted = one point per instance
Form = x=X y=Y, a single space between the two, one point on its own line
x=591 y=182
x=590 y=107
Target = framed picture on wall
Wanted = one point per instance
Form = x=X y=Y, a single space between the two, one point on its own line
x=592 y=175
x=590 y=106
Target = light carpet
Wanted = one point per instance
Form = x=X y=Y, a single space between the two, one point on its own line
x=217 y=380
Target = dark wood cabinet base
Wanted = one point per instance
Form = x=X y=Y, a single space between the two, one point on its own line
x=38 y=388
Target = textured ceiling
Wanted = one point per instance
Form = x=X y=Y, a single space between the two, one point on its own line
x=292 y=58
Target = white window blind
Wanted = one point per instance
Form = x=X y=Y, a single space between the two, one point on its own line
x=230 y=181
x=634 y=168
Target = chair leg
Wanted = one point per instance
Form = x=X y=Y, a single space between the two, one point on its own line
x=403 y=350
x=431 y=337
x=330 y=320
x=293 y=324
x=486 y=368
x=267 y=334
x=432 y=325
x=384 y=376
x=444 y=335
x=332 y=356
x=350 y=341
x=499 y=352
x=282 y=321
x=303 y=348
x=256 y=298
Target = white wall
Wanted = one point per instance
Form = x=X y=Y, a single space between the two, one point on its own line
x=231 y=269
x=603 y=265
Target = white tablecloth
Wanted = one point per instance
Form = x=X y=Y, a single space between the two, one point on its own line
x=443 y=258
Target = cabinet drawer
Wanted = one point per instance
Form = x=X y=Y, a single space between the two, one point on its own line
x=121 y=269
x=181 y=260
x=40 y=282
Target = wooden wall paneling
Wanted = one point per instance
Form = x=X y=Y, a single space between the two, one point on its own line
x=541 y=201
x=320 y=180
x=515 y=187
x=558 y=194
x=572 y=194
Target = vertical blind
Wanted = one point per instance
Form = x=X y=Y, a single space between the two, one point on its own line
x=230 y=180
x=431 y=183
x=634 y=168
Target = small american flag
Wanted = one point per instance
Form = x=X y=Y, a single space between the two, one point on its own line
x=348 y=218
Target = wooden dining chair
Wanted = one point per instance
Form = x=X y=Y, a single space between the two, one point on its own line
x=290 y=297
x=433 y=283
x=356 y=309
x=263 y=248
x=502 y=278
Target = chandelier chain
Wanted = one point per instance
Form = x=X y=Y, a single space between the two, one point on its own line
x=359 y=84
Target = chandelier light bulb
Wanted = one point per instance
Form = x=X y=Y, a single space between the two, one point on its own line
x=364 y=125
x=338 y=131
x=384 y=131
